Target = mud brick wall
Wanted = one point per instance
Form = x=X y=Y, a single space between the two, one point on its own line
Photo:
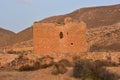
x=55 y=38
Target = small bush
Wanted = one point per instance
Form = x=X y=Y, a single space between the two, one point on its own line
x=11 y=52
x=28 y=67
x=87 y=69
x=58 y=69
x=80 y=68
x=22 y=63
x=65 y=62
x=105 y=63
x=46 y=61
x=14 y=52
x=75 y=58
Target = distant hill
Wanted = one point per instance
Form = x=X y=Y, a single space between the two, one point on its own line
x=5 y=35
x=22 y=36
x=95 y=18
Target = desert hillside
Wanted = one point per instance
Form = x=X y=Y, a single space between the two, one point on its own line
x=105 y=38
x=22 y=36
x=93 y=16
x=5 y=35
x=96 y=18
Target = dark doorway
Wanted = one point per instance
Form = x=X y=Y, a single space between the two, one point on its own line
x=61 y=35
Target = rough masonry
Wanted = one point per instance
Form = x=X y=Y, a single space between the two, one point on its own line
x=60 y=38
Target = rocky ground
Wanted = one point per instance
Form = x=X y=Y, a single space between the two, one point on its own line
x=44 y=74
x=24 y=67
x=35 y=67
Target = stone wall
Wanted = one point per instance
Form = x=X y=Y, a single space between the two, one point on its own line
x=56 y=38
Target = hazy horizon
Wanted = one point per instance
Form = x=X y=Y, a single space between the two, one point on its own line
x=16 y=15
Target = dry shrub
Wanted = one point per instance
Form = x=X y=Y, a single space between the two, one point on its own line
x=39 y=63
x=95 y=47
x=28 y=67
x=58 y=69
x=46 y=61
x=75 y=58
x=65 y=62
x=22 y=63
x=88 y=69
x=105 y=63
x=80 y=68
x=15 y=52
x=11 y=52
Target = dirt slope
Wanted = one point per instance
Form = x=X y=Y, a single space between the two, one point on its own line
x=105 y=38
x=5 y=35
x=22 y=36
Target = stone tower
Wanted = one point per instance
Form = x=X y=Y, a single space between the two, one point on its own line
x=55 y=38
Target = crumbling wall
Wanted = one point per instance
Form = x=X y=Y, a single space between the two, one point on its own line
x=55 y=38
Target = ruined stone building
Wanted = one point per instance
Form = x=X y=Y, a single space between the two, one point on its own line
x=60 y=38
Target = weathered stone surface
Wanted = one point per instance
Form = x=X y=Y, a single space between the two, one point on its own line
x=55 y=38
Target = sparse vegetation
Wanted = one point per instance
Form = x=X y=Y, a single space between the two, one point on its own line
x=95 y=48
x=58 y=68
x=11 y=52
x=105 y=63
x=46 y=61
x=65 y=62
x=19 y=52
x=88 y=69
x=28 y=67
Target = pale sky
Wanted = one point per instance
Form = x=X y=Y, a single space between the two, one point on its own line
x=16 y=15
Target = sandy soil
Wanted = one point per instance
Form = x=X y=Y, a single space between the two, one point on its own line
x=43 y=74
